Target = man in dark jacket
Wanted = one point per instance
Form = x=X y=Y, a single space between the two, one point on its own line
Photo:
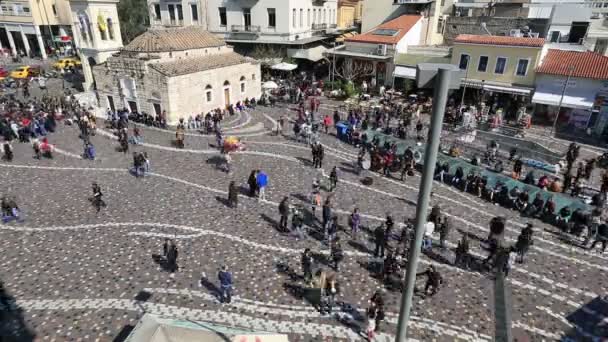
x=602 y=236
x=284 y=212
x=433 y=280
x=380 y=240
x=307 y=262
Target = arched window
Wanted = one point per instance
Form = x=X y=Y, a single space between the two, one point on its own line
x=110 y=28
x=243 y=78
x=85 y=27
x=208 y=93
x=226 y=83
x=102 y=26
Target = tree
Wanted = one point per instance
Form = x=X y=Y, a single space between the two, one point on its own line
x=267 y=55
x=352 y=70
x=134 y=18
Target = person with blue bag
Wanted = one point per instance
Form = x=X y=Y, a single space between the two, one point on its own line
x=262 y=182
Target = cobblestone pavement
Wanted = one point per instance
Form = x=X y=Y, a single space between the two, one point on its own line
x=72 y=274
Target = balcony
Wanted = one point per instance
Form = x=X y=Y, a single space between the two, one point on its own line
x=251 y=29
x=319 y=27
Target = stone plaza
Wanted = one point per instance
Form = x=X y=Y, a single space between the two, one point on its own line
x=71 y=274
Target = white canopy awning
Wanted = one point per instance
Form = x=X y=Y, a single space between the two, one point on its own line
x=270 y=85
x=313 y=54
x=568 y=101
x=284 y=67
x=405 y=72
x=507 y=89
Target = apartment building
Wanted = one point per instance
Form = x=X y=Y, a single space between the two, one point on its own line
x=434 y=13
x=296 y=27
x=35 y=27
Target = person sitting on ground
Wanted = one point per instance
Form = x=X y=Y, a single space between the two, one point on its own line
x=521 y=203
x=512 y=197
x=535 y=208
x=8 y=151
x=529 y=179
x=46 y=148
x=10 y=209
x=543 y=182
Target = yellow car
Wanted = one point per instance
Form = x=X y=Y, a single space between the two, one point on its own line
x=66 y=62
x=25 y=72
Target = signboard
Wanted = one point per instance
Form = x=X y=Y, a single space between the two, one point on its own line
x=579 y=118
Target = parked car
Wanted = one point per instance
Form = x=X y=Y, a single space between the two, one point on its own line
x=25 y=71
x=66 y=62
x=3 y=73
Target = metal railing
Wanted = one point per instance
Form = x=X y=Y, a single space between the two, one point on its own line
x=15 y=14
x=246 y=28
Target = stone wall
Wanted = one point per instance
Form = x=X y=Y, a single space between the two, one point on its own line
x=151 y=86
x=497 y=26
x=188 y=92
x=180 y=96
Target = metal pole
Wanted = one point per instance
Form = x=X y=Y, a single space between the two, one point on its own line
x=559 y=106
x=440 y=96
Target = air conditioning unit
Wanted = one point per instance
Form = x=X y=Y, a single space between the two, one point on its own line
x=381 y=50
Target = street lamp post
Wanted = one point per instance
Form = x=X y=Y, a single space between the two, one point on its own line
x=561 y=99
x=444 y=77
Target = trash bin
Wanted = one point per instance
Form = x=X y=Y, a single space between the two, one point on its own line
x=342 y=130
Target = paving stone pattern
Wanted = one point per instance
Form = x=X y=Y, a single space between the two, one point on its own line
x=71 y=274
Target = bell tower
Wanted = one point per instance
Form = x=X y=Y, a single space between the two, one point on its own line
x=97 y=32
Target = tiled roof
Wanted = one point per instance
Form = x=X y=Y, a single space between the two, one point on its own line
x=191 y=65
x=499 y=40
x=586 y=64
x=173 y=39
x=404 y=23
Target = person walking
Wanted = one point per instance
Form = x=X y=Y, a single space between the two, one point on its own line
x=233 y=195
x=262 y=182
x=333 y=179
x=166 y=248
x=172 y=255
x=462 y=253
x=433 y=280
x=320 y=155
x=524 y=241
x=379 y=240
x=337 y=254
x=355 y=222
x=225 y=278
x=327 y=214
x=445 y=231
x=307 y=262
x=284 y=212
x=315 y=154
x=253 y=184
x=97 y=197
x=601 y=237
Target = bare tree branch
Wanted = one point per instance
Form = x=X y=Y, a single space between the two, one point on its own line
x=352 y=70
